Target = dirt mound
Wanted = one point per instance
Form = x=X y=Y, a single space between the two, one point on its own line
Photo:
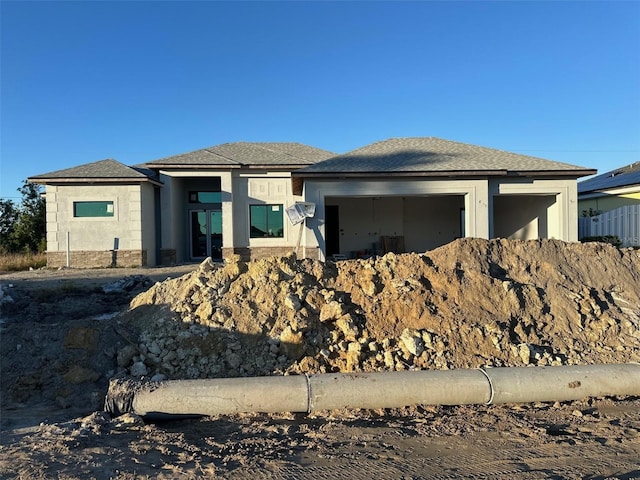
x=467 y=304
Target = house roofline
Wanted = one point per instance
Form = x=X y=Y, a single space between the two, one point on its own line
x=86 y=180
x=448 y=173
x=193 y=166
x=204 y=166
x=553 y=173
x=371 y=174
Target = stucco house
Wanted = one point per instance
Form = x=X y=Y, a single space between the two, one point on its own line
x=401 y=194
x=609 y=205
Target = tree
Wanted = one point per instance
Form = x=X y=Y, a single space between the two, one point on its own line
x=8 y=219
x=23 y=227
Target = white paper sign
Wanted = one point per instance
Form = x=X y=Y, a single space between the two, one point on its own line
x=299 y=211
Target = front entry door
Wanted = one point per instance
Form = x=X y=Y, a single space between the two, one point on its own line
x=206 y=234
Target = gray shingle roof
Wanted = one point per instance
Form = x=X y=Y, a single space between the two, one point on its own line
x=241 y=154
x=196 y=158
x=103 y=170
x=626 y=176
x=433 y=155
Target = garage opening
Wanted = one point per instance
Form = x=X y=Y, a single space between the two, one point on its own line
x=357 y=227
x=524 y=217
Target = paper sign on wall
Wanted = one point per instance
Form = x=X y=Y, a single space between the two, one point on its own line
x=299 y=211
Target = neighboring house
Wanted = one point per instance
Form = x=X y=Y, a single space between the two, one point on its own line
x=609 y=204
x=402 y=194
x=610 y=190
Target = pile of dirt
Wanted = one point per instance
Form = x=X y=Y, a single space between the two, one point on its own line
x=470 y=303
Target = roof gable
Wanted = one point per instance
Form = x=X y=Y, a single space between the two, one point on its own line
x=626 y=176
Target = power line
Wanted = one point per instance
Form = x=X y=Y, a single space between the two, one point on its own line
x=574 y=151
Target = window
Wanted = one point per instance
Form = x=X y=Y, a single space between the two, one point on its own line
x=266 y=221
x=205 y=197
x=93 y=209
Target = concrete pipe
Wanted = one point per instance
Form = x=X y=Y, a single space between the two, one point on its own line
x=397 y=389
x=550 y=384
x=298 y=393
x=223 y=396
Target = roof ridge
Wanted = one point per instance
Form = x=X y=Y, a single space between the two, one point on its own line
x=207 y=149
x=265 y=145
x=286 y=153
x=242 y=142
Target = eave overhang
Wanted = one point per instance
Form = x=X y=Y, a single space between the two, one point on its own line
x=85 y=181
x=297 y=179
x=173 y=166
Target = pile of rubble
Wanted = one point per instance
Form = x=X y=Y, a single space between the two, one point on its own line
x=470 y=303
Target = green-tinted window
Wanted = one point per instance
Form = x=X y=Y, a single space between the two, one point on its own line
x=266 y=221
x=205 y=197
x=93 y=209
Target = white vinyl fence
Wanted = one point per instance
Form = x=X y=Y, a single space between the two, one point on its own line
x=624 y=222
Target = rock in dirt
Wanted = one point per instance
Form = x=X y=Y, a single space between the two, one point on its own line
x=127 y=284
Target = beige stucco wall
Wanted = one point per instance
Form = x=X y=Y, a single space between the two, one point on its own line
x=99 y=234
x=255 y=189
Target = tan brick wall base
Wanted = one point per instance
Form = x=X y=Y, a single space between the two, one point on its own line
x=247 y=254
x=98 y=259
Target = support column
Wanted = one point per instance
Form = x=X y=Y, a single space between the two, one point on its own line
x=226 y=189
x=478 y=211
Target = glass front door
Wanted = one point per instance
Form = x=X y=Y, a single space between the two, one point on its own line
x=206 y=234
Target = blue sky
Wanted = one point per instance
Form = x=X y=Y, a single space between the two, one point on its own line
x=137 y=81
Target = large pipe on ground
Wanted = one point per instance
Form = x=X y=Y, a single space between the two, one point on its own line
x=312 y=393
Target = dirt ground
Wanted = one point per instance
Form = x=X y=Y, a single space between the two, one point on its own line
x=63 y=336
